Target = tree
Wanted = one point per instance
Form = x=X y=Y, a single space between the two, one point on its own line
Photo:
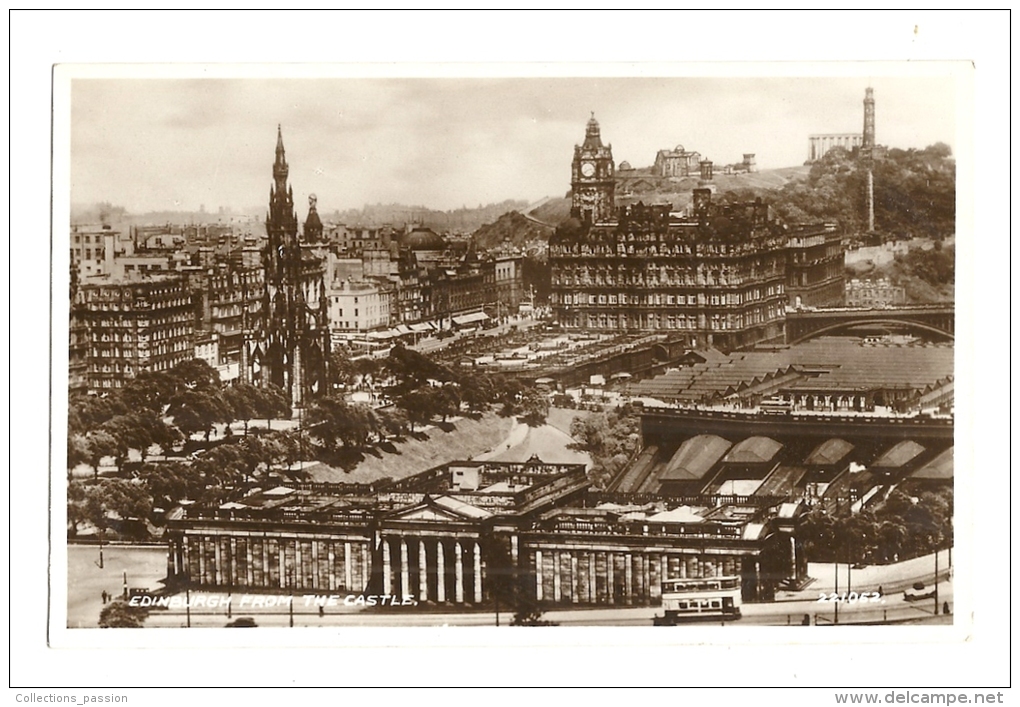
x=413 y=370
x=477 y=391
x=534 y=407
x=120 y=497
x=332 y=418
x=419 y=404
x=169 y=483
x=149 y=390
x=271 y=403
x=77 y=451
x=100 y=444
x=341 y=369
x=76 y=510
x=120 y=614
x=87 y=412
x=393 y=421
x=610 y=438
x=195 y=374
x=195 y=411
x=447 y=400
x=243 y=400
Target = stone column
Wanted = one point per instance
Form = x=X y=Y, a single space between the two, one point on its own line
x=266 y=579
x=592 y=586
x=201 y=561
x=440 y=572
x=348 y=580
x=283 y=561
x=365 y=568
x=664 y=568
x=628 y=578
x=423 y=573
x=610 y=579
x=574 y=582
x=513 y=549
x=478 y=574
x=557 y=593
x=405 y=570
x=249 y=565
x=331 y=567
x=232 y=566
x=458 y=572
x=538 y=575
x=217 y=572
x=647 y=572
x=315 y=564
x=386 y=584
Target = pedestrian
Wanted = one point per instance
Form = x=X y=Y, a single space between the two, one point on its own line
x=880 y=590
x=945 y=607
x=321 y=611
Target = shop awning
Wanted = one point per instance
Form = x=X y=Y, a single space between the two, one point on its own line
x=421 y=326
x=470 y=318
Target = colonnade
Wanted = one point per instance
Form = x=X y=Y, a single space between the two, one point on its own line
x=820 y=144
x=273 y=562
x=586 y=576
x=437 y=569
x=433 y=568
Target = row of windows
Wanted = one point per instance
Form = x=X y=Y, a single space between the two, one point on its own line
x=659 y=299
x=87 y=254
x=653 y=244
x=715 y=322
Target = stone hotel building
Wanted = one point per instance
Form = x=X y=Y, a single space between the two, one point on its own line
x=713 y=276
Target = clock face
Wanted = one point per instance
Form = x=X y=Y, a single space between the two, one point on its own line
x=587 y=169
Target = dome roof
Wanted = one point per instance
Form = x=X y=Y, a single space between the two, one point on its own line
x=423 y=239
x=625 y=165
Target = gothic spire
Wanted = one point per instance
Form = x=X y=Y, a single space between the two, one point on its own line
x=280 y=169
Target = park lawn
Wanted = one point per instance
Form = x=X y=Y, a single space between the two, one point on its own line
x=467 y=439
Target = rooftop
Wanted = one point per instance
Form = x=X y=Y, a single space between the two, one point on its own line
x=695 y=458
x=938 y=469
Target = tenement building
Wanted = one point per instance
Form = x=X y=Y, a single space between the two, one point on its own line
x=816 y=272
x=457 y=533
x=123 y=329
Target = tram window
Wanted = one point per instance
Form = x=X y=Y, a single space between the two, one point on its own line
x=715 y=603
x=682 y=605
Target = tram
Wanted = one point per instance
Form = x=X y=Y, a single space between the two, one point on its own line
x=701 y=599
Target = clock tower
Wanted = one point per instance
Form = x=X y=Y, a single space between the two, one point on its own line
x=592 y=181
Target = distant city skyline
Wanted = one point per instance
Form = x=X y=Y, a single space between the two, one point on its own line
x=152 y=144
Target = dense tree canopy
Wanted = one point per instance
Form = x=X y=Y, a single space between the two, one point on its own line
x=611 y=438
x=915 y=193
x=898 y=528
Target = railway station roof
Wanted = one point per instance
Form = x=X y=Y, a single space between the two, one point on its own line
x=695 y=458
x=753 y=450
x=938 y=469
x=831 y=451
x=899 y=456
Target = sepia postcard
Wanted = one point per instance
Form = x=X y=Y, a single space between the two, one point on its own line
x=658 y=356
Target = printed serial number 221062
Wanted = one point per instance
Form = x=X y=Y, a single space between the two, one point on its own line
x=850 y=597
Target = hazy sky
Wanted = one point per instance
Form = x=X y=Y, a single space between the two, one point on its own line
x=166 y=144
